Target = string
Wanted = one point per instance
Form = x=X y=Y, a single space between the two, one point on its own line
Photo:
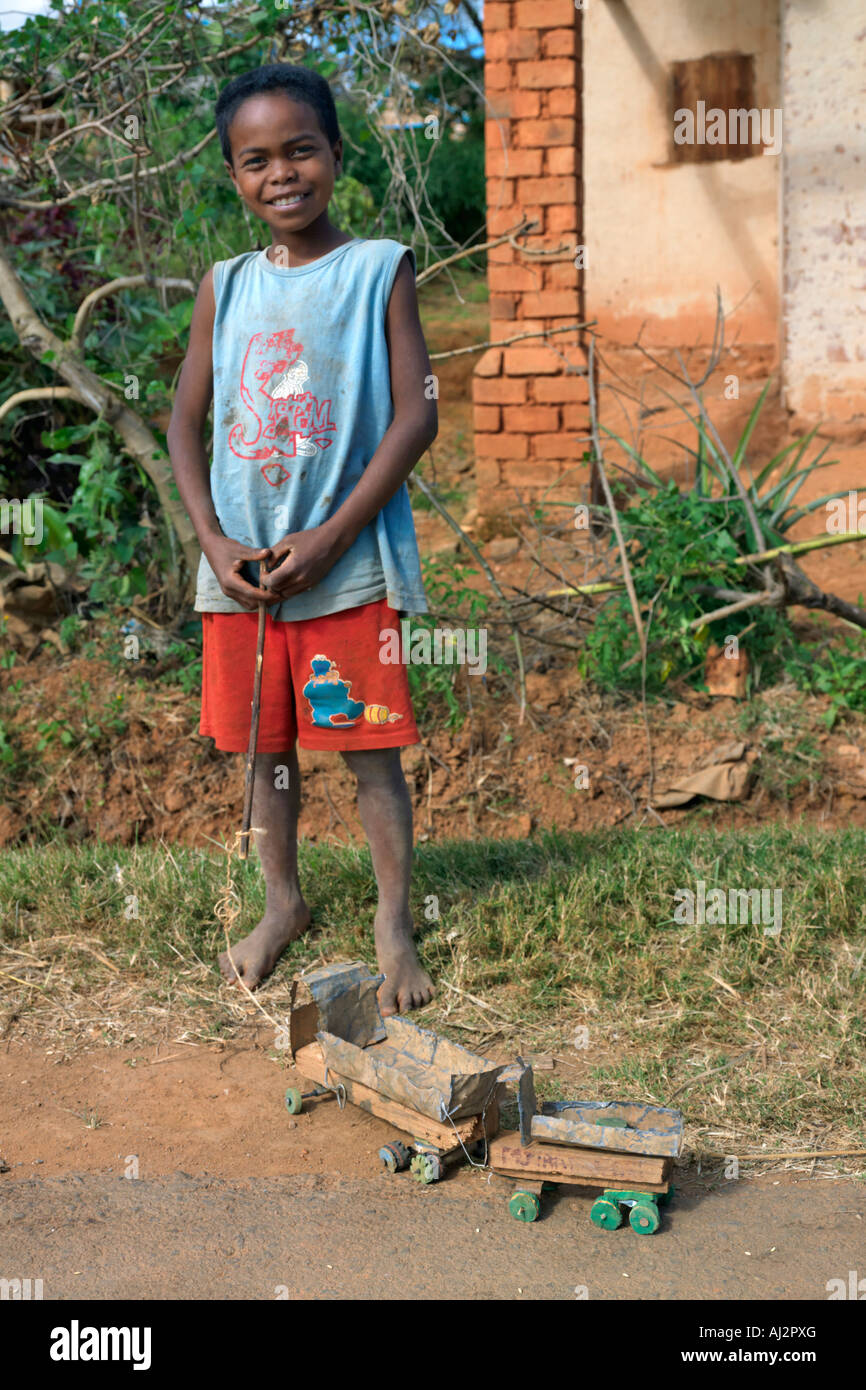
x=227 y=910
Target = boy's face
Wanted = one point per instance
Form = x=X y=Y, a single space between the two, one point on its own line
x=284 y=167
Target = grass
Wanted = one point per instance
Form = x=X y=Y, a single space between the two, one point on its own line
x=564 y=943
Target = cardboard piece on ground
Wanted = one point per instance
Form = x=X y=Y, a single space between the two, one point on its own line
x=726 y=779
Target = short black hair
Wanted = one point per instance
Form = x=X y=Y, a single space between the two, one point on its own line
x=301 y=84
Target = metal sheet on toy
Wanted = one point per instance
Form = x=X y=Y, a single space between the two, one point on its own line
x=621 y=1126
x=345 y=996
x=416 y=1067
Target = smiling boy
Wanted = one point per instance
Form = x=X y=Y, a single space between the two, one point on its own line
x=315 y=359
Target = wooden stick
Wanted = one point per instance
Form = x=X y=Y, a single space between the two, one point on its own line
x=805 y=1153
x=250 y=774
x=793 y=548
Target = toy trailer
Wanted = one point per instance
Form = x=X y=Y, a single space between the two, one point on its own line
x=624 y=1148
x=443 y=1098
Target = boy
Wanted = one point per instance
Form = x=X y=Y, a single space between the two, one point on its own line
x=314 y=355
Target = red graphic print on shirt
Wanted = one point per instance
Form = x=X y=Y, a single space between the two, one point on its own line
x=287 y=420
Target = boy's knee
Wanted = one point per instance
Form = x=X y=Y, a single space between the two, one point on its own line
x=379 y=766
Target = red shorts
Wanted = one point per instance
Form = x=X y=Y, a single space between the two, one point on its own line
x=322 y=682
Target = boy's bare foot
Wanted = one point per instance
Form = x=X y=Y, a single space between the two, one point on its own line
x=406 y=985
x=258 y=953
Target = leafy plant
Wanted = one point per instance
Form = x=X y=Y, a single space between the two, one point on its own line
x=684 y=541
x=837 y=671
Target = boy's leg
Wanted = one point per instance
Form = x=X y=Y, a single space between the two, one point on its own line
x=286 y=916
x=385 y=808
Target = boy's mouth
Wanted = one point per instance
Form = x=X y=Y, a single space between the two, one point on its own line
x=287 y=200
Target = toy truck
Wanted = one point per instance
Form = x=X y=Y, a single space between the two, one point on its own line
x=626 y=1149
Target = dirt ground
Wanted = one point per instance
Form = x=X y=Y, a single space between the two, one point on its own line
x=177 y=1173
x=495 y=777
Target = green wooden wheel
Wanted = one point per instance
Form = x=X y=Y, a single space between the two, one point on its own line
x=294 y=1101
x=605 y=1213
x=524 y=1206
x=426 y=1167
x=644 y=1218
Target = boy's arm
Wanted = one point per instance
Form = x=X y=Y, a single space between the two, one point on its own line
x=189 y=459
x=414 y=427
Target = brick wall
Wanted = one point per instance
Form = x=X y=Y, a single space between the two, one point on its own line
x=531 y=399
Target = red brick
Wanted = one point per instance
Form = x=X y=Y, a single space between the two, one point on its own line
x=576 y=417
x=497 y=76
x=547 y=72
x=544 y=191
x=557 y=446
x=556 y=43
x=504 y=329
x=559 y=159
x=488 y=418
x=508 y=217
x=558 y=389
x=501 y=219
x=513 y=163
x=497 y=15
x=531 y=361
x=511 y=43
x=525 y=324
x=504 y=254
x=496 y=133
x=550 y=302
x=558 y=131
x=525 y=419
x=501 y=390
x=543 y=14
x=563 y=216
x=565 y=340
x=501 y=279
x=503 y=306
x=560 y=275
x=562 y=101
x=515 y=104
x=502 y=446
x=524 y=475
x=490 y=364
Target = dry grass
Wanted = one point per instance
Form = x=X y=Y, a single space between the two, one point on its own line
x=759 y=1040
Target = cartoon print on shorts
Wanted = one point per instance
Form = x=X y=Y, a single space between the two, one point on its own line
x=330 y=705
x=285 y=420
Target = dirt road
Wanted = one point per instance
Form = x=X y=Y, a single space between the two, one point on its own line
x=386 y=1237
x=236 y=1200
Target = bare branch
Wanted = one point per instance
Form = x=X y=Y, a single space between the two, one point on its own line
x=36 y=393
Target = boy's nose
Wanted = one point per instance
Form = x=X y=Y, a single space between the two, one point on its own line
x=283 y=174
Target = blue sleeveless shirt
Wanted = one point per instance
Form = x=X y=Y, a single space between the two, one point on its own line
x=301 y=400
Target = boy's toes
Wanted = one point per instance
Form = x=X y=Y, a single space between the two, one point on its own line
x=388 y=1002
x=226 y=968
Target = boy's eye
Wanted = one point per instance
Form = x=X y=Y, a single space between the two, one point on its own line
x=257 y=158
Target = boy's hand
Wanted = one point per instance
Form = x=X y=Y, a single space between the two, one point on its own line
x=306 y=558
x=225 y=558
